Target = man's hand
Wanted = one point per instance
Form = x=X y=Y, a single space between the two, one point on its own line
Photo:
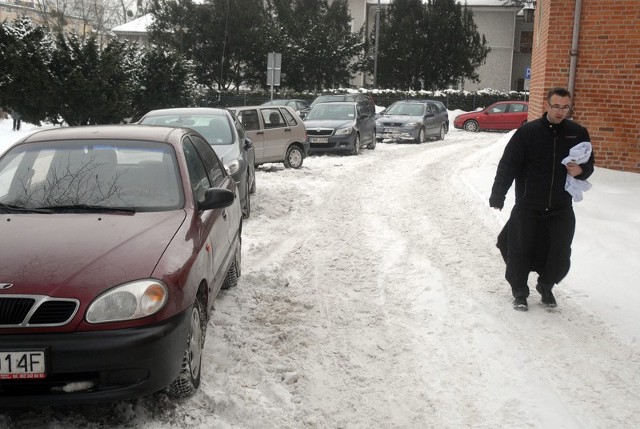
x=573 y=169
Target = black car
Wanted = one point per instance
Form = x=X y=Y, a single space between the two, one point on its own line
x=364 y=101
x=227 y=137
x=342 y=126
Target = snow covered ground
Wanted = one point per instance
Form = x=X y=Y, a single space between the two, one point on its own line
x=372 y=296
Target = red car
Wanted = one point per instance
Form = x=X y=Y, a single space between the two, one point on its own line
x=503 y=115
x=115 y=243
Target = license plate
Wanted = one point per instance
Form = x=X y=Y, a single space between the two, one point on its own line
x=389 y=130
x=22 y=364
x=318 y=139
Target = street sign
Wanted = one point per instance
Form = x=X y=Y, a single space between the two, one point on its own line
x=527 y=72
x=274 y=64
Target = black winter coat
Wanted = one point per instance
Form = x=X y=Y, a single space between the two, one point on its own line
x=533 y=158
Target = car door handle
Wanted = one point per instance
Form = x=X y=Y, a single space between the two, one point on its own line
x=224 y=214
x=288 y=129
x=260 y=132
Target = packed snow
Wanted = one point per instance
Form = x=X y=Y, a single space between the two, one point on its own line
x=372 y=296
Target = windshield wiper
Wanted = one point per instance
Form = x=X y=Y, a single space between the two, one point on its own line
x=90 y=208
x=19 y=209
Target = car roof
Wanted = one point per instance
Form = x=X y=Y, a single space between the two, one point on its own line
x=104 y=132
x=187 y=111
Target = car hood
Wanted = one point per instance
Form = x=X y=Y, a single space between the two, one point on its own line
x=226 y=152
x=49 y=254
x=400 y=118
x=326 y=123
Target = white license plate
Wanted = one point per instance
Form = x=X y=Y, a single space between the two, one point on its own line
x=389 y=130
x=22 y=364
x=318 y=139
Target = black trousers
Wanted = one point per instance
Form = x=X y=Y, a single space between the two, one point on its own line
x=539 y=241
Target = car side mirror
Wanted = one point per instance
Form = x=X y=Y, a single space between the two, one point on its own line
x=430 y=115
x=248 y=144
x=216 y=198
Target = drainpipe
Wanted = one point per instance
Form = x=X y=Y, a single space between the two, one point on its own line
x=574 y=47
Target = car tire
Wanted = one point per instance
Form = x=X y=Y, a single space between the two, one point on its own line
x=441 y=133
x=471 y=126
x=231 y=279
x=356 y=145
x=246 y=210
x=188 y=381
x=421 y=136
x=294 y=157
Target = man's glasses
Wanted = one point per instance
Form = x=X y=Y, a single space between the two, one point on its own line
x=558 y=107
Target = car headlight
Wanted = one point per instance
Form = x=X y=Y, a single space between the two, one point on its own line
x=344 y=131
x=412 y=125
x=378 y=124
x=232 y=167
x=128 y=302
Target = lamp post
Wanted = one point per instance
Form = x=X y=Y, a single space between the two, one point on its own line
x=375 y=58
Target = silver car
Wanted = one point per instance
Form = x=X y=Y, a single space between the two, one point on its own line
x=413 y=121
x=227 y=137
x=278 y=134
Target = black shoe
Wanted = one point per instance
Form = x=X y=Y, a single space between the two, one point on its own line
x=547 y=296
x=520 y=303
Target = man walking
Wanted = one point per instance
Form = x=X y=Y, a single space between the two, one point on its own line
x=17 y=119
x=540 y=230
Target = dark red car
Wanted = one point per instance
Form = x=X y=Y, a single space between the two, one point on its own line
x=115 y=243
x=503 y=115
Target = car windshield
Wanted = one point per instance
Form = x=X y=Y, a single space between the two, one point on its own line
x=410 y=109
x=90 y=175
x=328 y=98
x=332 y=112
x=216 y=129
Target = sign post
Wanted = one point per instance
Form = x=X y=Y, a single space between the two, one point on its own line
x=274 y=65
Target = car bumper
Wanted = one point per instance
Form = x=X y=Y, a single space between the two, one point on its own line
x=397 y=134
x=117 y=364
x=333 y=144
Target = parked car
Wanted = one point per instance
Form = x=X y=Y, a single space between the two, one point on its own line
x=278 y=134
x=227 y=137
x=340 y=126
x=503 y=115
x=364 y=101
x=413 y=121
x=115 y=243
x=301 y=107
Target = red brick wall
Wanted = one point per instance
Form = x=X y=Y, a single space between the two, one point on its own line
x=607 y=86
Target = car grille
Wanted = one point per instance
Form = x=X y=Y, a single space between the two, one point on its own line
x=392 y=124
x=18 y=311
x=319 y=131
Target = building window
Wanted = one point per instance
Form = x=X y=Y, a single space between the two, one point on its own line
x=526 y=41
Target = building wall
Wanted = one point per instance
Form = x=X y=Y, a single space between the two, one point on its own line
x=10 y=10
x=606 y=95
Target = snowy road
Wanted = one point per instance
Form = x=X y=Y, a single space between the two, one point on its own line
x=372 y=296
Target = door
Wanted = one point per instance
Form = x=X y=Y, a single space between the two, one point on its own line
x=277 y=134
x=251 y=121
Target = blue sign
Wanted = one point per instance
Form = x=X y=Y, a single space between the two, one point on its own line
x=527 y=72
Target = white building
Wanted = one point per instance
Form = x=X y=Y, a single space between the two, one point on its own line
x=508 y=36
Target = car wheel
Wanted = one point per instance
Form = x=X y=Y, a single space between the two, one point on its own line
x=442 y=133
x=246 y=211
x=374 y=140
x=471 y=126
x=294 y=157
x=231 y=279
x=356 y=145
x=188 y=381
x=421 y=136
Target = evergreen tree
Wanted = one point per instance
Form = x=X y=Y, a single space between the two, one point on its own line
x=163 y=79
x=24 y=79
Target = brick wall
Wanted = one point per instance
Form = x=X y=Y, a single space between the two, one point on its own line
x=607 y=85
